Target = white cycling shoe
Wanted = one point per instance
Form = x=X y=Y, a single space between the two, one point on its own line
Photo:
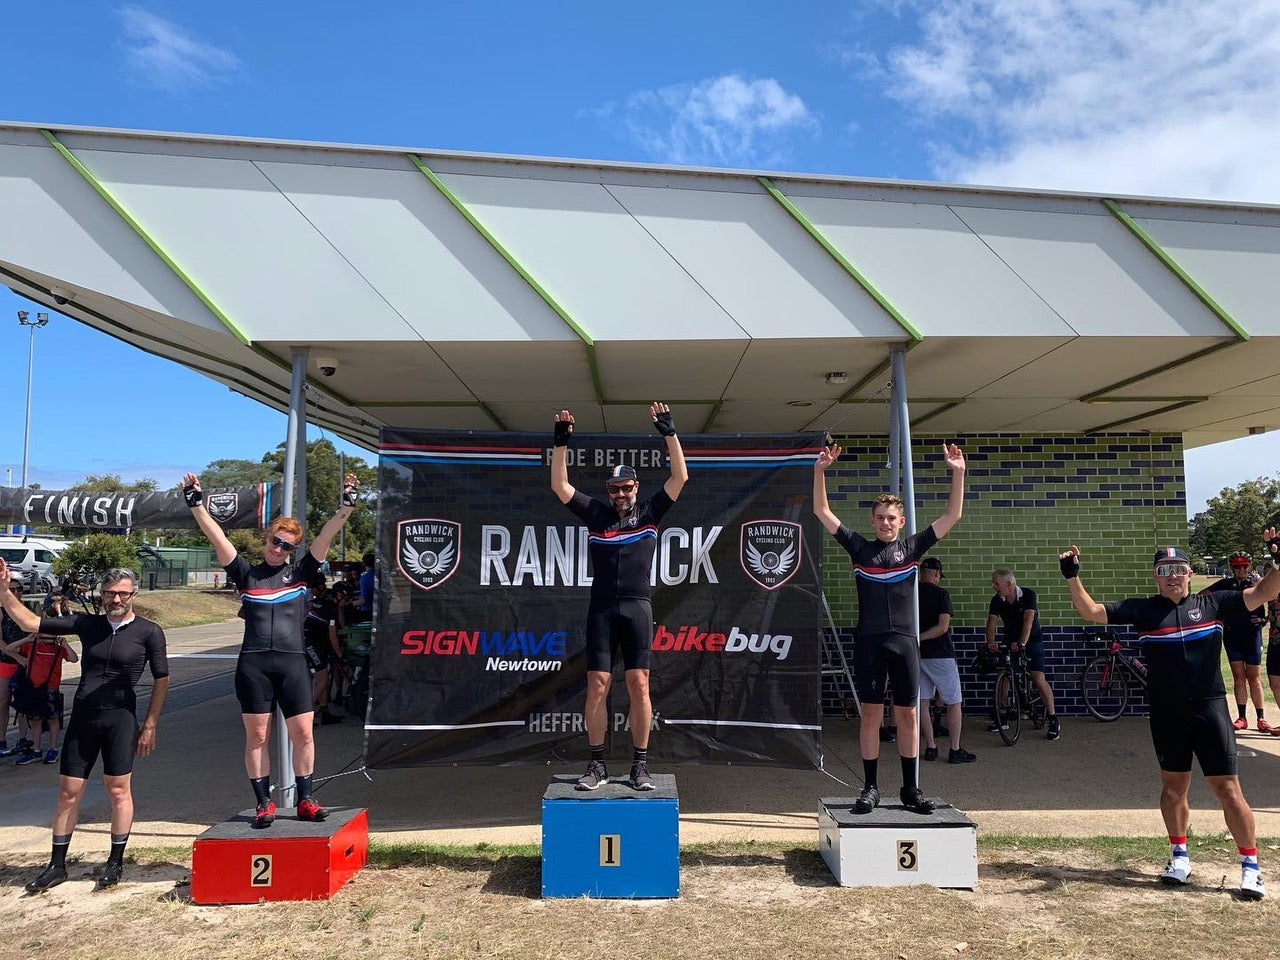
x=1251 y=885
x=1177 y=871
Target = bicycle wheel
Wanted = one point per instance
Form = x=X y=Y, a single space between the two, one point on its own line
x=1036 y=709
x=1105 y=688
x=1008 y=714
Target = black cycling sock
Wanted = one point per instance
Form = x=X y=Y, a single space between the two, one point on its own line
x=1258 y=711
x=303 y=785
x=908 y=773
x=597 y=752
x=640 y=756
x=261 y=788
x=869 y=768
x=1241 y=708
x=118 y=840
x=61 y=841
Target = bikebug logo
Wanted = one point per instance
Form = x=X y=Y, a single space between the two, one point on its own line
x=770 y=551
x=427 y=550
x=222 y=506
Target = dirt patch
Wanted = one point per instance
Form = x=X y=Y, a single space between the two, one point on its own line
x=741 y=901
x=186 y=608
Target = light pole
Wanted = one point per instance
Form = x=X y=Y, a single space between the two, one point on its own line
x=40 y=320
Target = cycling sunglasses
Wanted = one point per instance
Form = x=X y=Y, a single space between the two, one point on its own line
x=621 y=487
x=284 y=545
x=1173 y=570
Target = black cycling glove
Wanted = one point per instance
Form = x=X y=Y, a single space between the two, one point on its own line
x=349 y=498
x=564 y=433
x=1070 y=565
x=1273 y=551
x=663 y=423
x=193 y=495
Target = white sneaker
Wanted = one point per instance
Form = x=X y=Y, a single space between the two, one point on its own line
x=1177 y=871
x=1251 y=885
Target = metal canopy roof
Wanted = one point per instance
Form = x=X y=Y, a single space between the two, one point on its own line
x=481 y=291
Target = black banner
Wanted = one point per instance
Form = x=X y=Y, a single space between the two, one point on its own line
x=233 y=507
x=479 y=652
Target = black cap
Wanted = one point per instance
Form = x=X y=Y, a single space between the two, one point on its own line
x=931 y=563
x=1171 y=555
x=622 y=472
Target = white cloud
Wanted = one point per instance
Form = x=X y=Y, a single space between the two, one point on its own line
x=168 y=57
x=1166 y=97
x=725 y=120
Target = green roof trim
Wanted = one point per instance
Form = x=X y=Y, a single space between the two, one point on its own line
x=839 y=258
x=1176 y=268
x=518 y=267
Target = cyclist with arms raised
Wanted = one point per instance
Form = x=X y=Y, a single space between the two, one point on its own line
x=1181 y=637
x=1242 y=639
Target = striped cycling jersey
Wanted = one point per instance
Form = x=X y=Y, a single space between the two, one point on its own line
x=886 y=578
x=274 y=602
x=621 y=548
x=1181 y=642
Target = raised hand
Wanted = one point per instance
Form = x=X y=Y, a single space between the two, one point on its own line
x=350 y=488
x=191 y=490
x=1069 y=562
x=827 y=456
x=953 y=456
x=662 y=422
x=564 y=428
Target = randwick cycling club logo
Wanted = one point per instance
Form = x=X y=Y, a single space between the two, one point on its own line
x=770 y=551
x=428 y=550
x=222 y=506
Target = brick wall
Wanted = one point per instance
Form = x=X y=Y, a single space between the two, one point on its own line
x=1118 y=496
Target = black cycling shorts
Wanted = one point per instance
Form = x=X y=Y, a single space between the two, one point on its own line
x=1246 y=646
x=111 y=732
x=319 y=654
x=891 y=657
x=264 y=680
x=625 y=624
x=1273 y=658
x=1202 y=728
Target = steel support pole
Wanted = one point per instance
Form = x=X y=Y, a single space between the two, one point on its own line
x=903 y=422
x=295 y=472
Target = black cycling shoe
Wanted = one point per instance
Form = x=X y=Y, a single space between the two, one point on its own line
x=112 y=872
x=867 y=800
x=915 y=800
x=50 y=876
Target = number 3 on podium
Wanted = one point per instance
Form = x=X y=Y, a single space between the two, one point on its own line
x=908 y=858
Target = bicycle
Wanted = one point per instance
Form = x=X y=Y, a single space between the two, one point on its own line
x=1015 y=695
x=1107 y=680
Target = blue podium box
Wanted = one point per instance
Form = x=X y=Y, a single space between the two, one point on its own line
x=613 y=842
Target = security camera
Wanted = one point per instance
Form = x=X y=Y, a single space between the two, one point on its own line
x=60 y=296
x=328 y=365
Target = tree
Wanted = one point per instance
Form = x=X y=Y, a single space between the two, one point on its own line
x=324 y=487
x=1235 y=518
x=111 y=483
x=238 y=473
x=93 y=556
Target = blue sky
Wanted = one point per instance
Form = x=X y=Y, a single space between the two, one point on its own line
x=1169 y=98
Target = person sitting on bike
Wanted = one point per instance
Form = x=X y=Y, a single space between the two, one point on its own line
x=1181 y=638
x=1242 y=638
x=1016 y=607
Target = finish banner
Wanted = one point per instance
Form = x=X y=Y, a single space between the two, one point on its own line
x=485 y=582
x=233 y=507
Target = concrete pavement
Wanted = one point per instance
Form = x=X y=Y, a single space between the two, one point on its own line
x=1099 y=779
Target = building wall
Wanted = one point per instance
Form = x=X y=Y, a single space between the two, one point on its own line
x=1028 y=497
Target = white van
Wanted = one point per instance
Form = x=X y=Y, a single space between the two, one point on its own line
x=31 y=555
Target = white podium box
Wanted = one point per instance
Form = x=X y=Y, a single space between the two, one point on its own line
x=893 y=847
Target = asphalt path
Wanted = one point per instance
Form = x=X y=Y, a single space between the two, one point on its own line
x=1099 y=779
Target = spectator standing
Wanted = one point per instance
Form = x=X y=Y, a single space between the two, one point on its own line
x=37 y=696
x=1242 y=639
x=939 y=672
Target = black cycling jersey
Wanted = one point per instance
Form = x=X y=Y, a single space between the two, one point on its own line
x=886 y=577
x=1244 y=627
x=274 y=602
x=621 y=548
x=10 y=632
x=1012 y=614
x=1181 y=642
x=111 y=660
x=934 y=602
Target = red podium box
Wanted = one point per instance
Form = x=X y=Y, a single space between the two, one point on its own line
x=290 y=860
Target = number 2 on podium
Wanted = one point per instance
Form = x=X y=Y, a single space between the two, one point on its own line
x=260 y=870
x=610 y=849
